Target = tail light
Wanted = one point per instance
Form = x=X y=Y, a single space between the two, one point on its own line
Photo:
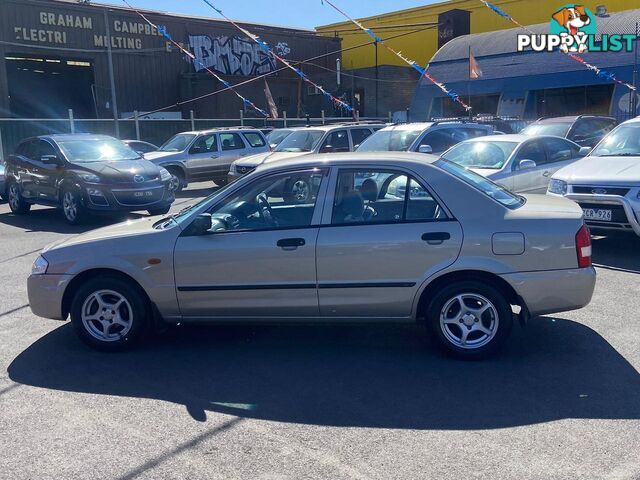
x=583 y=247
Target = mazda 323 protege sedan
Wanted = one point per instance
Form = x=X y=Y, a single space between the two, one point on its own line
x=394 y=237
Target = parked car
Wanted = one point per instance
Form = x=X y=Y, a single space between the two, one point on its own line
x=3 y=186
x=455 y=259
x=207 y=154
x=585 y=130
x=341 y=137
x=606 y=183
x=428 y=137
x=82 y=174
x=141 y=147
x=275 y=137
x=521 y=163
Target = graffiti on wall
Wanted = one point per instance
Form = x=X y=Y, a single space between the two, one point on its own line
x=233 y=55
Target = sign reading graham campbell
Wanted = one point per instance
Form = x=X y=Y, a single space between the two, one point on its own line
x=573 y=30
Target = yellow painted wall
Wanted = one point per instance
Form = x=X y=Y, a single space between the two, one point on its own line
x=422 y=46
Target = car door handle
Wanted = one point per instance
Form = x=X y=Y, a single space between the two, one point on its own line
x=290 y=243
x=546 y=174
x=215 y=156
x=435 y=238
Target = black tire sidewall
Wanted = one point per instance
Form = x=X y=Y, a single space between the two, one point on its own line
x=158 y=211
x=505 y=318
x=135 y=298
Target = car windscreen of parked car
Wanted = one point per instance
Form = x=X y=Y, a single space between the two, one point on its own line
x=481 y=154
x=178 y=142
x=301 y=141
x=397 y=140
x=489 y=188
x=97 y=150
x=624 y=141
x=559 y=129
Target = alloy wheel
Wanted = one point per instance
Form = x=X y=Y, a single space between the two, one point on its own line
x=107 y=315
x=301 y=191
x=70 y=206
x=469 y=320
x=14 y=197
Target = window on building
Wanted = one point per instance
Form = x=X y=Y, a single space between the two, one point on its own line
x=553 y=102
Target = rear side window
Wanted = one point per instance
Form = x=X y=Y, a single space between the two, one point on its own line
x=254 y=139
x=231 y=141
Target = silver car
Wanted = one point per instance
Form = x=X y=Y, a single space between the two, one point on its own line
x=207 y=155
x=521 y=163
x=463 y=256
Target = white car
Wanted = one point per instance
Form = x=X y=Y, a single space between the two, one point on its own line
x=606 y=183
x=521 y=163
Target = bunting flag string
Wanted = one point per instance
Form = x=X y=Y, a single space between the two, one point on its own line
x=265 y=47
x=423 y=71
x=163 y=31
x=577 y=58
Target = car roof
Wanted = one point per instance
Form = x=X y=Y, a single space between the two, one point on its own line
x=407 y=159
x=569 y=118
x=513 y=137
x=335 y=126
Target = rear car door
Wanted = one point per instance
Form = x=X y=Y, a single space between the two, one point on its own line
x=23 y=168
x=530 y=180
x=260 y=259
x=383 y=233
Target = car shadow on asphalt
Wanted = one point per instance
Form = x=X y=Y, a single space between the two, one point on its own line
x=360 y=376
x=196 y=192
x=51 y=220
x=617 y=252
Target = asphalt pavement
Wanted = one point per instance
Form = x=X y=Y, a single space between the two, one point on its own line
x=368 y=402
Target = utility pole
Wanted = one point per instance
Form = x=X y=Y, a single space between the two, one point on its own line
x=376 y=46
x=112 y=81
x=634 y=95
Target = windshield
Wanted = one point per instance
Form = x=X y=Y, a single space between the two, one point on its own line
x=624 y=141
x=275 y=138
x=481 y=154
x=96 y=150
x=486 y=186
x=398 y=140
x=300 y=141
x=178 y=142
x=556 y=129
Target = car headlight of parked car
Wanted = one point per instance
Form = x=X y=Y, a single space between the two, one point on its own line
x=39 y=266
x=90 y=178
x=558 y=187
x=164 y=174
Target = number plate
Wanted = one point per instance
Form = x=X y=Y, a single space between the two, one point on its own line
x=597 y=214
x=148 y=193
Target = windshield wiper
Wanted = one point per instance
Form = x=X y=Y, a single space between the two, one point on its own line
x=625 y=154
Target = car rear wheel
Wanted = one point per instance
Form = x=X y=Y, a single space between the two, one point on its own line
x=109 y=313
x=17 y=203
x=470 y=319
x=72 y=209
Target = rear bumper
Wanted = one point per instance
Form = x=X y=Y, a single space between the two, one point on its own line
x=554 y=291
x=45 y=294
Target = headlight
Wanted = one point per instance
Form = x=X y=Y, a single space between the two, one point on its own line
x=164 y=174
x=39 y=266
x=557 y=187
x=90 y=178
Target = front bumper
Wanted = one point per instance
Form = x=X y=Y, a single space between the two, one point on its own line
x=554 y=291
x=45 y=294
x=128 y=198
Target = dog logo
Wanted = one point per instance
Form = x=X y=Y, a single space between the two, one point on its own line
x=573 y=21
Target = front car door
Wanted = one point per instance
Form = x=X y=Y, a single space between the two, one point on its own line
x=201 y=156
x=336 y=141
x=48 y=174
x=259 y=258
x=529 y=180
x=560 y=153
x=383 y=234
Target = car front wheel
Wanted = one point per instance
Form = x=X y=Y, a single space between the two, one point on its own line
x=109 y=313
x=17 y=204
x=470 y=319
x=72 y=209
x=158 y=211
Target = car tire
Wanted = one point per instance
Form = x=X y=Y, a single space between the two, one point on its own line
x=177 y=178
x=109 y=313
x=17 y=203
x=73 y=211
x=470 y=319
x=158 y=211
x=297 y=190
x=221 y=182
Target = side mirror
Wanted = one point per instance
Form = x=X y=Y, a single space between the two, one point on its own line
x=200 y=225
x=526 y=164
x=51 y=160
x=584 y=151
x=196 y=149
x=425 y=149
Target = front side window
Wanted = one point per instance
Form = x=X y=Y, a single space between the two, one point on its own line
x=96 y=150
x=381 y=196
x=438 y=140
x=481 y=154
x=624 y=141
x=254 y=139
x=392 y=140
x=358 y=135
x=337 y=141
x=300 y=141
x=279 y=201
x=178 y=143
x=559 y=150
x=205 y=144
x=231 y=141
x=533 y=150
x=43 y=148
